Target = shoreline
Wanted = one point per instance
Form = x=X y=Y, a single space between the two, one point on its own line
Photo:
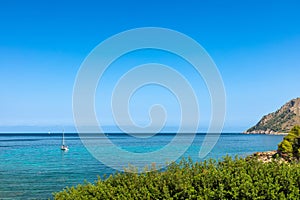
x=264 y=133
x=266 y=156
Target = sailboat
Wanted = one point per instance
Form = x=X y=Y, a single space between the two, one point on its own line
x=63 y=146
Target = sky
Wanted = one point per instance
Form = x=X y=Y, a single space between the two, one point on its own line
x=254 y=44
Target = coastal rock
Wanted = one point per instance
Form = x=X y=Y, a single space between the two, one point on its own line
x=280 y=121
x=268 y=156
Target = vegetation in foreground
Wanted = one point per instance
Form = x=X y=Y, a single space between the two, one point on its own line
x=229 y=179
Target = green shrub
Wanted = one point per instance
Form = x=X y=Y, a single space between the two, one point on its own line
x=290 y=144
x=226 y=179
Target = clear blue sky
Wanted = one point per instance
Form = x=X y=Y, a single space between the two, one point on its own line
x=255 y=44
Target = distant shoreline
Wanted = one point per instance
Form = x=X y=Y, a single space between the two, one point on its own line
x=260 y=132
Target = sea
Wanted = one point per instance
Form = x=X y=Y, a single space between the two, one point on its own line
x=32 y=166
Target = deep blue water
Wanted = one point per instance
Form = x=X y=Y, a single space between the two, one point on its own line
x=32 y=166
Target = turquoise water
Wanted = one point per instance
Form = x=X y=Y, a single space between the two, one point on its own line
x=32 y=166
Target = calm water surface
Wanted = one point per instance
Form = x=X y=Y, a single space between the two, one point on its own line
x=32 y=166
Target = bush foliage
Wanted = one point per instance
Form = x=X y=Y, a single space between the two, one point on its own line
x=226 y=179
x=290 y=143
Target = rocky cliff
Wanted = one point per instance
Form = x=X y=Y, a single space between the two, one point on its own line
x=281 y=121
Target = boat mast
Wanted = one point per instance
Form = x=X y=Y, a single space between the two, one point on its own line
x=63 y=138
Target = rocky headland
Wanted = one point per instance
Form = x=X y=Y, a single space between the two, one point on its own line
x=280 y=121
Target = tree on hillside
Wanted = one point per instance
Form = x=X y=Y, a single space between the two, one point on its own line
x=290 y=146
